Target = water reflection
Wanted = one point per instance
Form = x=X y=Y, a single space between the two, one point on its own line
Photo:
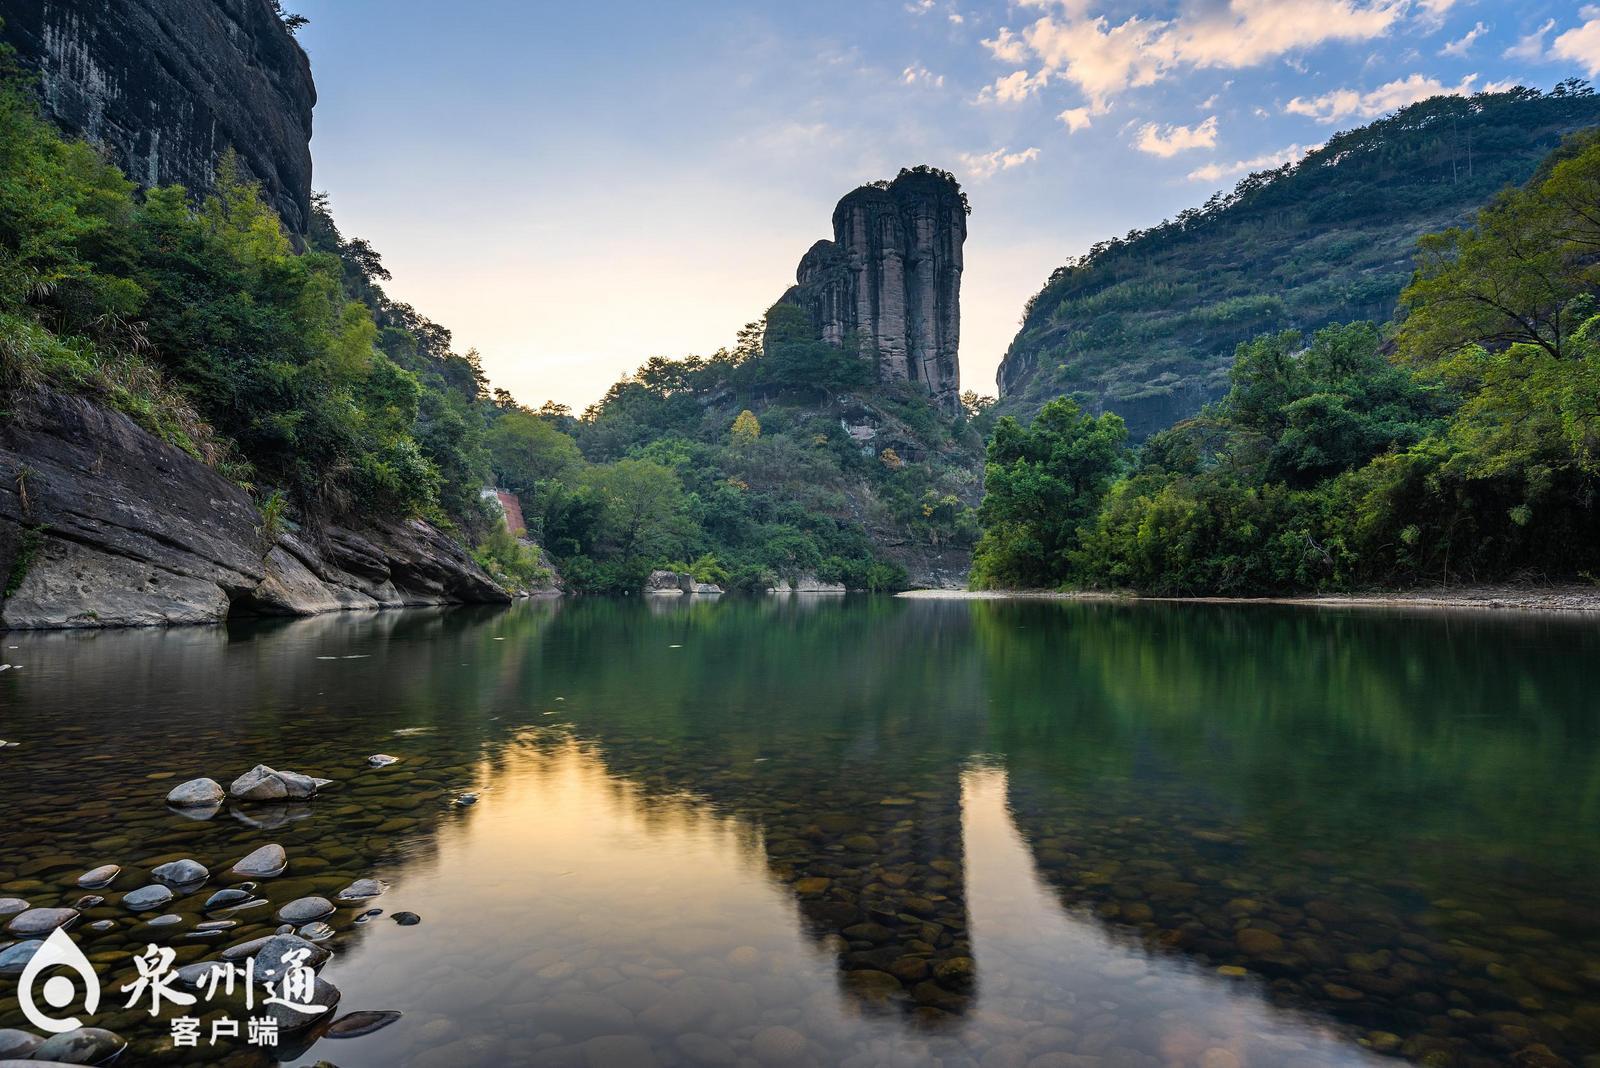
x=1193 y=836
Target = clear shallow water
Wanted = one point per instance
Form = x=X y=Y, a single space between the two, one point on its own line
x=861 y=832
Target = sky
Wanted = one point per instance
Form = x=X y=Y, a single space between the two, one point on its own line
x=573 y=188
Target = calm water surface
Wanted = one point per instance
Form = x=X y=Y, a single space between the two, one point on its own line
x=857 y=832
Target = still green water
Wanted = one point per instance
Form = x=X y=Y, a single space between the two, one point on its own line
x=855 y=832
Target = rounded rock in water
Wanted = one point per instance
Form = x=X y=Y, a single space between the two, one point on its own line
x=264 y=863
x=147 y=898
x=86 y=1045
x=181 y=873
x=316 y=932
x=406 y=919
x=262 y=783
x=99 y=878
x=382 y=760
x=40 y=922
x=224 y=898
x=11 y=905
x=196 y=793
x=362 y=890
x=356 y=1024
x=16 y=956
x=305 y=909
x=17 y=1045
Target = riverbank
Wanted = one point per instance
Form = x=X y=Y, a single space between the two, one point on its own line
x=1517 y=598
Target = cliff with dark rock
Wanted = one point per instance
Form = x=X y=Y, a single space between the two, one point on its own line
x=102 y=524
x=891 y=280
x=167 y=86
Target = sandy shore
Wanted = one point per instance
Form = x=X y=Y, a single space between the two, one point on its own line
x=1518 y=598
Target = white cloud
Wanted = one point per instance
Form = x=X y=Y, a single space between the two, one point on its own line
x=1431 y=13
x=1013 y=88
x=1347 y=103
x=1501 y=86
x=1170 y=141
x=989 y=164
x=1581 y=45
x=1215 y=172
x=921 y=76
x=1530 y=47
x=1460 y=47
x=1006 y=46
x=1076 y=119
x=956 y=18
x=1103 y=58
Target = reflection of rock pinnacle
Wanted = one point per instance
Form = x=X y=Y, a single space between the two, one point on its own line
x=58 y=949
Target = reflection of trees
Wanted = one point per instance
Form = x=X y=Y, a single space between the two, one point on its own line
x=837 y=728
x=1330 y=779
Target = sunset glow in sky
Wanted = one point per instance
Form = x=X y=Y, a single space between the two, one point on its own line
x=573 y=188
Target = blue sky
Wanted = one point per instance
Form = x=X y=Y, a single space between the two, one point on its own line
x=574 y=187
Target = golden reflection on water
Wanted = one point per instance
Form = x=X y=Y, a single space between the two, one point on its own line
x=566 y=879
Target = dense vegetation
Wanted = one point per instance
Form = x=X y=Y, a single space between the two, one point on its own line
x=739 y=468
x=1146 y=325
x=1463 y=448
x=281 y=362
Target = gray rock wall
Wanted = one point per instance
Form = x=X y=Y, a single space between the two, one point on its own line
x=891 y=276
x=166 y=86
x=102 y=524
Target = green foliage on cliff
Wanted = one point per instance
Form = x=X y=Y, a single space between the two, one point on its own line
x=1146 y=325
x=203 y=322
x=742 y=458
x=1469 y=452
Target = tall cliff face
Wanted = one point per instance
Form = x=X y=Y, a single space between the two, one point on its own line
x=167 y=86
x=891 y=277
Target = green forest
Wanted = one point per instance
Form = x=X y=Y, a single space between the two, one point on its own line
x=1146 y=325
x=1456 y=444
x=280 y=362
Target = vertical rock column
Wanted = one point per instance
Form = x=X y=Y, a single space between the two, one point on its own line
x=891 y=277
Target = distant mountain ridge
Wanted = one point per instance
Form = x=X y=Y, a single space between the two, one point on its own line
x=1146 y=325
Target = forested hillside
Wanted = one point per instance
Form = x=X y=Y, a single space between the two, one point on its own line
x=1146 y=325
x=1462 y=446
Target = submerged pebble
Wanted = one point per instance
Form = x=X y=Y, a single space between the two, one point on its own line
x=267 y=862
x=99 y=878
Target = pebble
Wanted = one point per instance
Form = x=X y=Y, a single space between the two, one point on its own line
x=196 y=793
x=10 y=905
x=265 y=863
x=305 y=909
x=262 y=783
x=85 y=1045
x=16 y=1044
x=362 y=890
x=356 y=1024
x=99 y=878
x=15 y=957
x=382 y=760
x=181 y=873
x=224 y=898
x=41 y=921
x=147 y=898
x=406 y=919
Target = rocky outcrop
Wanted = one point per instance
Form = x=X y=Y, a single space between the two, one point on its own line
x=891 y=279
x=676 y=584
x=167 y=86
x=102 y=524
